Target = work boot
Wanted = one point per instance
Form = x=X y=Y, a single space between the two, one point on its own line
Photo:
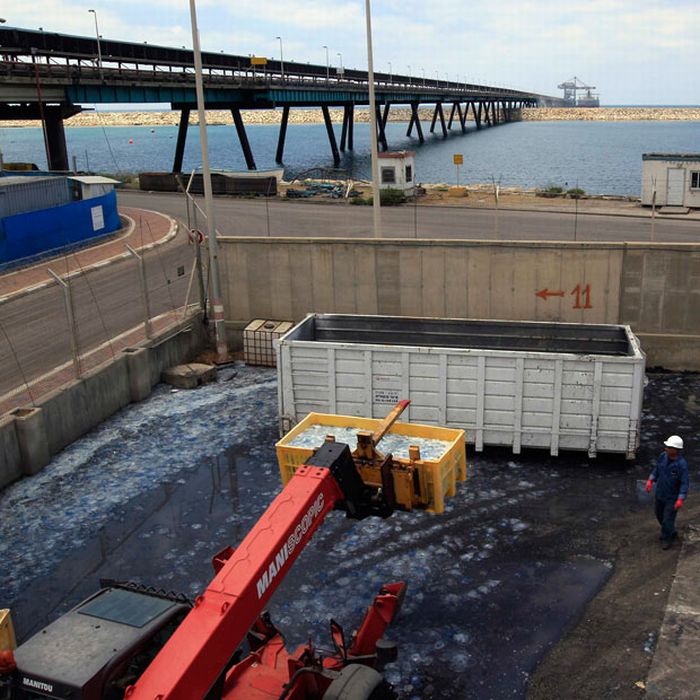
x=666 y=544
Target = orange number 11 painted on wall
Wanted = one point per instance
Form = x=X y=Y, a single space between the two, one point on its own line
x=582 y=294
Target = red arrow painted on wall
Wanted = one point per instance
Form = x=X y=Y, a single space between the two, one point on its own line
x=545 y=293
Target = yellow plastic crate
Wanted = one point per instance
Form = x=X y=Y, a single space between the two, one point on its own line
x=7 y=633
x=439 y=478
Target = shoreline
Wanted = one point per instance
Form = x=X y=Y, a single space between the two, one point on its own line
x=399 y=114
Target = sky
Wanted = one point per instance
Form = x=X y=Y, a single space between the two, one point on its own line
x=632 y=51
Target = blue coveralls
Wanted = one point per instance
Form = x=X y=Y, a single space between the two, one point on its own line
x=672 y=482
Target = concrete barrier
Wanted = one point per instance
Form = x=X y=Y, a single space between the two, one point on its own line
x=11 y=461
x=653 y=287
x=30 y=436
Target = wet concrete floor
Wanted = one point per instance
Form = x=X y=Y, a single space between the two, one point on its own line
x=152 y=494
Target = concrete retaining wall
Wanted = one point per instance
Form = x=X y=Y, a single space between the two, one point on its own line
x=68 y=413
x=653 y=287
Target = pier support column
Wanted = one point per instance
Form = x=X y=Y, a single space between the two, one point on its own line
x=351 y=126
x=56 y=151
x=434 y=120
x=415 y=120
x=344 y=130
x=381 y=136
x=452 y=116
x=283 y=134
x=181 y=139
x=243 y=138
x=331 y=134
x=442 y=120
x=487 y=113
x=461 y=116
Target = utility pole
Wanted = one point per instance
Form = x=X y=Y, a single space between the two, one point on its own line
x=376 y=201
x=216 y=304
x=99 y=48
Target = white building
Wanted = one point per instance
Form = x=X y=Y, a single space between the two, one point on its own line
x=397 y=170
x=89 y=186
x=674 y=176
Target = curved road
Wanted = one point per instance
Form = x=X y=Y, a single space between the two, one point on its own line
x=107 y=300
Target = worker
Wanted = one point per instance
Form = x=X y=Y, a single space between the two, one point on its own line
x=671 y=477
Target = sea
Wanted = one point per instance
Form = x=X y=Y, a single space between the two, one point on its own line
x=599 y=157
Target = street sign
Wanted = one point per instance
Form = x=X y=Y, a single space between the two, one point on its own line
x=258 y=61
x=458 y=159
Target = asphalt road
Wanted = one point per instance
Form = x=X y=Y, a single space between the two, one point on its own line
x=33 y=330
x=258 y=217
x=107 y=301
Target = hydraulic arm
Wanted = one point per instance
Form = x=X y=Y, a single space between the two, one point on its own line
x=197 y=655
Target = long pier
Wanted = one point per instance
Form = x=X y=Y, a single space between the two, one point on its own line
x=48 y=76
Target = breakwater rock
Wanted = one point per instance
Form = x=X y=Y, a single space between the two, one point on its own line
x=397 y=114
x=610 y=114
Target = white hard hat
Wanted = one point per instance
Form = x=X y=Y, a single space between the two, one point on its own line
x=675 y=441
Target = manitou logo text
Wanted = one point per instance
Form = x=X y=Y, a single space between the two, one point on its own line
x=37 y=685
x=289 y=546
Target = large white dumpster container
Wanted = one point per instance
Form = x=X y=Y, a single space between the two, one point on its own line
x=521 y=384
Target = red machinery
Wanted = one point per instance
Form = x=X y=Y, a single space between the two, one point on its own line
x=196 y=657
x=112 y=645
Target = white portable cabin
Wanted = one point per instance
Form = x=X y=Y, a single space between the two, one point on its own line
x=90 y=186
x=397 y=171
x=674 y=176
x=521 y=384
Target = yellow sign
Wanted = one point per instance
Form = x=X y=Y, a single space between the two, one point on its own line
x=258 y=61
x=458 y=159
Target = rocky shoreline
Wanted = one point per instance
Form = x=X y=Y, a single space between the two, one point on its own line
x=399 y=114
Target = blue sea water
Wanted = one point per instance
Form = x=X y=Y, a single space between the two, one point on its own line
x=600 y=157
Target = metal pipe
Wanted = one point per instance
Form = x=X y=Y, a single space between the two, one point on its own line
x=144 y=289
x=376 y=201
x=217 y=305
x=70 y=317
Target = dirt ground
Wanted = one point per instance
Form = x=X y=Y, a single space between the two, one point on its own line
x=609 y=652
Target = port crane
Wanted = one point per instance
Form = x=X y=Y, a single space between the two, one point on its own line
x=571 y=89
x=138 y=644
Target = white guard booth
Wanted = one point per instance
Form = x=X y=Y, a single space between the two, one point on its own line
x=674 y=176
x=90 y=186
x=397 y=170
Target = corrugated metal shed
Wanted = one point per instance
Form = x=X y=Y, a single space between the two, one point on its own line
x=20 y=194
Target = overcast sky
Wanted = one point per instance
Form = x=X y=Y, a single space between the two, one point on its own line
x=633 y=51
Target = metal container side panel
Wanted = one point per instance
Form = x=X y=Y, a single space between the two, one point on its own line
x=542 y=400
x=40 y=193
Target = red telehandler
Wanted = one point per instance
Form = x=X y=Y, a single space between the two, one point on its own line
x=130 y=642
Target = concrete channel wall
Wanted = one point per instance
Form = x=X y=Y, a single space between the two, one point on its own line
x=31 y=435
x=653 y=287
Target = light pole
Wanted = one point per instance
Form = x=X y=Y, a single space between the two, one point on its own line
x=376 y=201
x=281 y=57
x=437 y=78
x=341 y=70
x=216 y=305
x=409 y=76
x=391 y=79
x=423 y=71
x=328 y=66
x=99 y=48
